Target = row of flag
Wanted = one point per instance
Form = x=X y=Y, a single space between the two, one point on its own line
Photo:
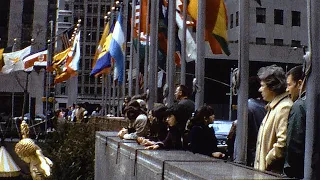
x=110 y=51
x=65 y=64
x=22 y=60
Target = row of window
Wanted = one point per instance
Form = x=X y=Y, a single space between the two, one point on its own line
x=261 y=17
x=278 y=42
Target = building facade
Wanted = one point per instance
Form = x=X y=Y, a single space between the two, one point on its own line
x=21 y=21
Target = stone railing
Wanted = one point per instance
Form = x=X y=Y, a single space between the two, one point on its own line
x=119 y=159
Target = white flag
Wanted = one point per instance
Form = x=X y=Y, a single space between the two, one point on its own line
x=14 y=61
x=74 y=64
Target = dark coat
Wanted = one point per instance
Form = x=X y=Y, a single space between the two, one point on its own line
x=173 y=139
x=294 y=160
x=203 y=140
x=256 y=113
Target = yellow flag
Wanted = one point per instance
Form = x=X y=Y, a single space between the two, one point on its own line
x=101 y=43
x=1 y=58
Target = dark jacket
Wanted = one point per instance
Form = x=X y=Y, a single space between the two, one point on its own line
x=203 y=140
x=173 y=139
x=256 y=113
x=158 y=130
x=296 y=133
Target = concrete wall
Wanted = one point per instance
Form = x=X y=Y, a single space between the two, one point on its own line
x=125 y=159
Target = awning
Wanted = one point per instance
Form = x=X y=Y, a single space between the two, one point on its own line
x=8 y=168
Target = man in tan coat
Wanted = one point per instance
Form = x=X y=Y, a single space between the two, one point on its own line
x=271 y=139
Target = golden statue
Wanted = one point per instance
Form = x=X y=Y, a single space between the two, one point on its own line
x=29 y=152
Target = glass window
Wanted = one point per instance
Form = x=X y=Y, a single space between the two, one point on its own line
x=231 y=21
x=86 y=90
x=237 y=18
x=89 y=8
x=295 y=43
x=99 y=92
x=278 y=42
x=295 y=18
x=87 y=65
x=261 y=15
x=261 y=41
x=278 y=16
x=63 y=90
x=95 y=8
x=91 y=90
x=93 y=36
x=89 y=22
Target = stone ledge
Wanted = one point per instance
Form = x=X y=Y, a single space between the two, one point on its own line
x=125 y=159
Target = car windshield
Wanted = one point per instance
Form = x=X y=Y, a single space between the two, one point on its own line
x=221 y=126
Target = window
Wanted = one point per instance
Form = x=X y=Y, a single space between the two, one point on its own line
x=99 y=91
x=87 y=65
x=86 y=90
x=89 y=21
x=278 y=16
x=91 y=90
x=261 y=15
x=278 y=42
x=65 y=19
x=237 y=18
x=231 y=21
x=295 y=43
x=95 y=8
x=93 y=36
x=261 y=41
x=89 y=8
x=295 y=18
x=66 y=7
x=63 y=90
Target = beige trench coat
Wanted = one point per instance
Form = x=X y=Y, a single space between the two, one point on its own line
x=271 y=140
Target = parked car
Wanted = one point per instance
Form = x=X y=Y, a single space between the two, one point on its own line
x=221 y=129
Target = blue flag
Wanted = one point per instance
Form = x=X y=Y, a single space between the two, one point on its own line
x=116 y=48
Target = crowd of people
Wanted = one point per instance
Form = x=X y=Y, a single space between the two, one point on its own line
x=276 y=123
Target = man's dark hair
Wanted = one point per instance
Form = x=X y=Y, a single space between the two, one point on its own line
x=254 y=85
x=184 y=89
x=296 y=73
x=274 y=77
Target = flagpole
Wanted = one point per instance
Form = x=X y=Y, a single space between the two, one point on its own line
x=146 y=54
x=200 y=63
x=183 y=44
x=171 y=48
x=133 y=9
x=153 y=52
x=137 y=62
x=243 y=65
x=125 y=27
x=114 y=89
x=311 y=160
x=48 y=76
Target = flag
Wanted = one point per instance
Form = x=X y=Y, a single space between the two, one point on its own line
x=58 y=59
x=75 y=56
x=215 y=25
x=70 y=64
x=65 y=37
x=103 y=63
x=14 y=61
x=101 y=43
x=1 y=58
x=116 y=48
x=191 y=46
x=35 y=59
x=162 y=35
